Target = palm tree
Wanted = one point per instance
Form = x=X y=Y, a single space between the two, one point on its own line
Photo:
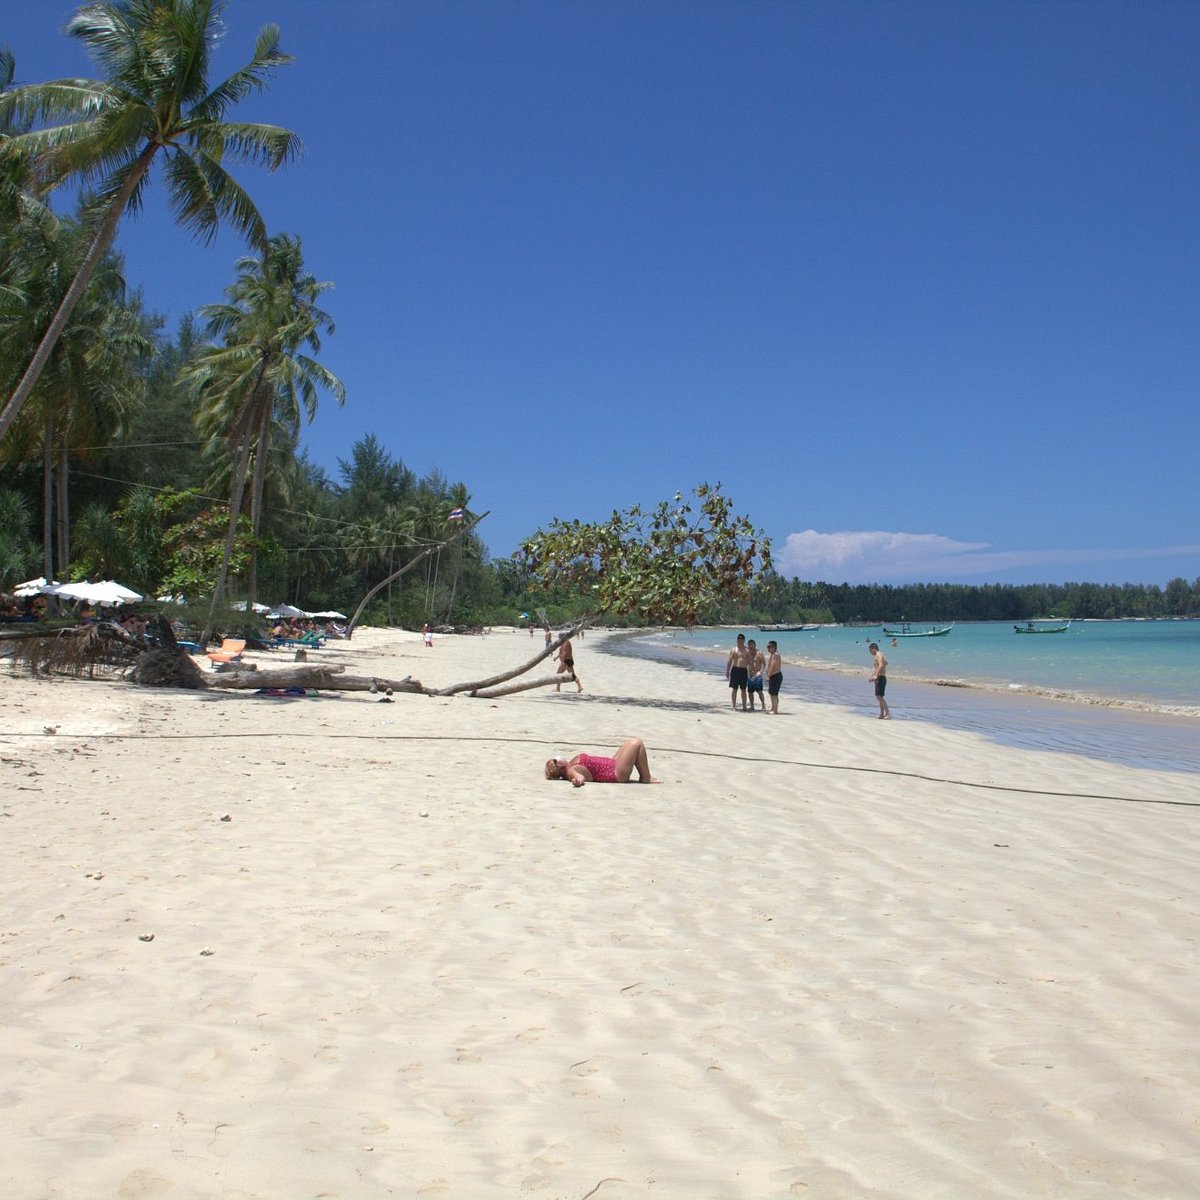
x=429 y=529
x=459 y=499
x=257 y=376
x=91 y=382
x=156 y=99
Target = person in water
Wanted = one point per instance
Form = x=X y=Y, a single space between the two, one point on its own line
x=879 y=678
x=591 y=768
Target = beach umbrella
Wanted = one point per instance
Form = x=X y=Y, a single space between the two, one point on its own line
x=120 y=593
x=34 y=587
x=287 y=610
x=107 y=591
x=330 y=615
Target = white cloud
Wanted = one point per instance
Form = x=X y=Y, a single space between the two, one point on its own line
x=875 y=556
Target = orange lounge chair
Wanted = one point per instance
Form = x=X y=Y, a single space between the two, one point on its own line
x=230 y=651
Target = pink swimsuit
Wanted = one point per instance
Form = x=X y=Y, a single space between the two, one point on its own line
x=603 y=770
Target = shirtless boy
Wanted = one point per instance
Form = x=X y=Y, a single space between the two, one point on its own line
x=754 y=684
x=774 y=673
x=879 y=678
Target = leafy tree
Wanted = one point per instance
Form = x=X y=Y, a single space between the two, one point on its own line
x=671 y=565
x=373 y=478
x=155 y=100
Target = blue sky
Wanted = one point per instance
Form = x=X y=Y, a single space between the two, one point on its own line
x=916 y=282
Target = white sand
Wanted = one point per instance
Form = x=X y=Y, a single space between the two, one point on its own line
x=820 y=959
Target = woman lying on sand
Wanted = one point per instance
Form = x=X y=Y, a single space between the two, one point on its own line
x=588 y=768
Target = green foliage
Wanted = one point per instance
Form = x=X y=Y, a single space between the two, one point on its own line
x=169 y=542
x=19 y=552
x=671 y=565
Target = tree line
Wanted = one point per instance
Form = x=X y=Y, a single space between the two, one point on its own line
x=775 y=600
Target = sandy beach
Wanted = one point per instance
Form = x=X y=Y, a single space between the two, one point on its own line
x=332 y=947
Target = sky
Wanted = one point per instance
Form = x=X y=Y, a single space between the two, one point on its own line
x=916 y=283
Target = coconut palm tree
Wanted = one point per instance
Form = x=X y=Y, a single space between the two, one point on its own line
x=257 y=376
x=91 y=382
x=458 y=500
x=155 y=101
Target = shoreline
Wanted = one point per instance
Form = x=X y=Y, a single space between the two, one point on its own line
x=981 y=684
x=1122 y=733
x=336 y=946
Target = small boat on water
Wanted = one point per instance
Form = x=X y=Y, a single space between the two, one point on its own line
x=1042 y=627
x=787 y=628
x=906 y=630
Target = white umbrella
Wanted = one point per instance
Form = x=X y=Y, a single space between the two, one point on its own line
x=258 y=608
x=105 y=592
x=34 y=587
x=331 y=615
x=287 y=610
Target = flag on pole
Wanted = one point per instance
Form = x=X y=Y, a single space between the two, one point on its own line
x=455 y=515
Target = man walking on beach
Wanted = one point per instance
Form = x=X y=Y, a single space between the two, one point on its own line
x=774 y=672
x=736 y=671
x=879 y=678
x=566 y=662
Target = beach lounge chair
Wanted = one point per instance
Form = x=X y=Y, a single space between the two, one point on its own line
x=230 y=651
x=311 y=641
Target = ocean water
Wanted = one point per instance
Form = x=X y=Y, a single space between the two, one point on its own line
x=1126 y=692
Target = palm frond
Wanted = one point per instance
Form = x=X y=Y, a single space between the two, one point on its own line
x=202 y=192
x=109 y=31
x=59 y=100
x=254 y=77
x=269 y=146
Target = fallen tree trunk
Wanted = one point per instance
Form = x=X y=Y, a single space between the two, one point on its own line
x=476 y=688
x=489 y=693
x=311 y=675
x=166 y=665
x=334 y=679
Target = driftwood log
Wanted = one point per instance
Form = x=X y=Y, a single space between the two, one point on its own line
x=335 y=679
x=164 y=663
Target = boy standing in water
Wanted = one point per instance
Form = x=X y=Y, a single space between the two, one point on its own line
x=879 y=678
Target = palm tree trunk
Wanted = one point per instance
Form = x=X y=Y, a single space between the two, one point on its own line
x=63 y=512
x=48 y=497
x=99 y=247
x=256 y=505
x=237 y=491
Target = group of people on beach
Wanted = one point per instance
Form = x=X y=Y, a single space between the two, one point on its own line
x=745 y=668
x=747 y=664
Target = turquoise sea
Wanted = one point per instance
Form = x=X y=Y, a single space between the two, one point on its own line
x=1121 y=691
